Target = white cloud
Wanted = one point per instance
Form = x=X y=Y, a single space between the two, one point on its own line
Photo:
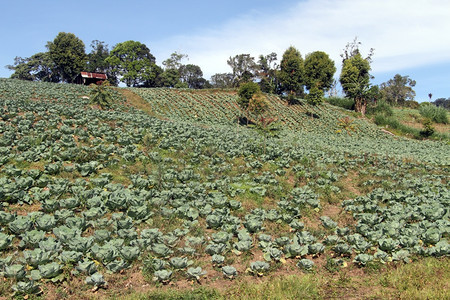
x=404 y=33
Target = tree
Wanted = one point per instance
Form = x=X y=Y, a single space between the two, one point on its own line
x=133 y=63
x=97 y=57
x=68 y=53
x=355 y=79
x=174 y=61
x=97 y=61
x=315 y=95
x=222 y=80
x=291 y=74
x=38 y=67
x=252 y=101
x=398 y=89
x=193 y=76
x=243 y=66
x=100 y=95
x=352 y=49
x=246 y=92
x=172 y=76
x=267 y=69
x=319 y=71
x=442 y=102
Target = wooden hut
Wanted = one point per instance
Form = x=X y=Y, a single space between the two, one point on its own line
x=88 y=78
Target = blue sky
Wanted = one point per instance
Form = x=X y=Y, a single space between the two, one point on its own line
x=409 y=36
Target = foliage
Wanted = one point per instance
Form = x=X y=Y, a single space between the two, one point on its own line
x=68 y=53
x=38 y=67
x=319 y=71
x=133 y=63
x=222 y=80
x=291 y=74
x=428 y=129
x=246 y=92
x=346 y=103
x=442 y=102
x=434 y=113
x=100 y=95
x=315 y=95
x=267 y=69
x=354 y=79
x=380 y=107
x=243 y=66
x=398 y=90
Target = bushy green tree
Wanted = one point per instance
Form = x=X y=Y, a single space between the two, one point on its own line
x=97 y=57
x=222 y=80
x=246 y=92
x=315 y=95
x=355 y=81
x=133 y=63
x=100 y=95
x=319 y=71
x=398 y=90
x=39 y=67
x=291 y=74
x=68 y=54
x=267 y=69
x=192 y=75
x=243 y=66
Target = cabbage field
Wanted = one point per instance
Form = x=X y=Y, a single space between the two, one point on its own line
x=89 y=195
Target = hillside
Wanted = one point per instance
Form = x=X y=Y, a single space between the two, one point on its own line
x=174 y=199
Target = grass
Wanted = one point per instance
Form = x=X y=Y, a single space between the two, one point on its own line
x=417 y=280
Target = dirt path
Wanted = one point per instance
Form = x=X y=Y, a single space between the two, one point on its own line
x=136 y=101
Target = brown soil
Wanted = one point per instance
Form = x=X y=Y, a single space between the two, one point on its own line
x=136 y=101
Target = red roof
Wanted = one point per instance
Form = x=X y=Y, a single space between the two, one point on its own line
x=94 y=75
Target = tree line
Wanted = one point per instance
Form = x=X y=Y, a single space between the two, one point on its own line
x=132 y=63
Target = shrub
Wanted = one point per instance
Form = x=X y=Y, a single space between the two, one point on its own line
x=411 y=104
x=434 y=113
x=342 y=102
x=383 y=120
x=246 y=92
x=315 y=96
x=380 y=108
x=428 y=128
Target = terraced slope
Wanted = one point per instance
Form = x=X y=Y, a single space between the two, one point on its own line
x=220 y=107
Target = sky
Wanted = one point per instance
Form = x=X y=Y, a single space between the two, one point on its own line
x=410 y=37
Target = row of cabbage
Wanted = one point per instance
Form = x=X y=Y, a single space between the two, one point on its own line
x=221 y=107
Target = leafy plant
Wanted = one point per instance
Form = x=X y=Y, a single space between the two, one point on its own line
x=195 y=273
x=258 y=268
x=96 y=280
x=162 y=276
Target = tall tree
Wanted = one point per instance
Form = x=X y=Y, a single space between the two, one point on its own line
x=355 y=79
x=267 y=69
x=352 y=49
x=398 y=89
x=97 y=57
x=68 y=53
x=291 y=74
x=133 y=63
x=171 y=77
x=193 y=76
x=222 y=80
x=243 y=66
x=319 y=71
x=174 y=61
x=39 y=67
